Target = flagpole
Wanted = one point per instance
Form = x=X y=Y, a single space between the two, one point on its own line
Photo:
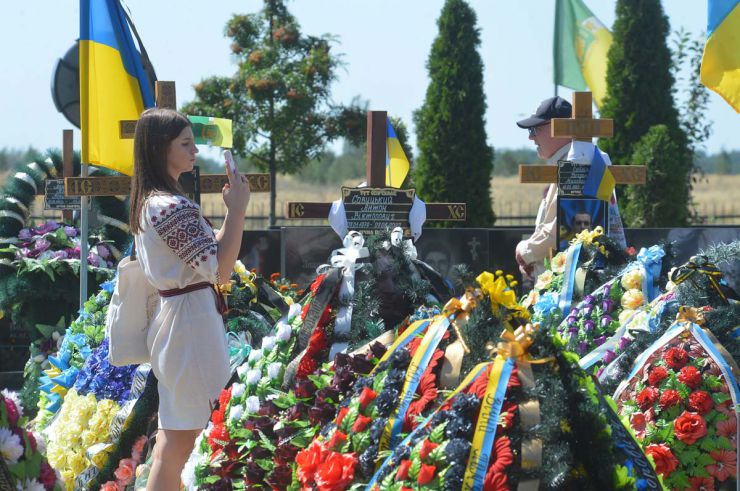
x=83 y=243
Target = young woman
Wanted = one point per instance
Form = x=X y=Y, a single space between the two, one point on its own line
x=183 y=258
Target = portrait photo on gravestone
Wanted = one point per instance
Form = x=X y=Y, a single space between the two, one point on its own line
x=577 y=215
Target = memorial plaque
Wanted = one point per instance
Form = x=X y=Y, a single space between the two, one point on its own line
x=371 y=210
x=54 y=198
x=571 y=178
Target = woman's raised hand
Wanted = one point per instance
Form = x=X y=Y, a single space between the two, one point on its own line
x=236 y=192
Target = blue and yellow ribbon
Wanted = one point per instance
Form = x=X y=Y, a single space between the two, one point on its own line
x=485 y=428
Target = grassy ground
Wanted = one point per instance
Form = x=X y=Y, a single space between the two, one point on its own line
x=715 y=197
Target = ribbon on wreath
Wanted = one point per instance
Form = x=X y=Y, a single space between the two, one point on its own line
x=652 y=261
x=569 y=278
x=346 y=260
x=240 y=345
x=485 y=428
x=449 y=375
x=701 y=265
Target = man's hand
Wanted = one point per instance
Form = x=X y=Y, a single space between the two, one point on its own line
x=526 y=269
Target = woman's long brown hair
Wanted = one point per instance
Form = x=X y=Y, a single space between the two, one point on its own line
x=155 y=130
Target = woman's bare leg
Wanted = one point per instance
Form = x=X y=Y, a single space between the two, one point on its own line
x=171 y=451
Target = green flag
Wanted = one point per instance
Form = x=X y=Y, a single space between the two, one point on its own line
x=212 y=131
x=580 y=48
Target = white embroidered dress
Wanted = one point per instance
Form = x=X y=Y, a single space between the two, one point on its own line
x=186 y=340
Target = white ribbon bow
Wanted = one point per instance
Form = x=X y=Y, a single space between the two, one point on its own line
x=346 y=258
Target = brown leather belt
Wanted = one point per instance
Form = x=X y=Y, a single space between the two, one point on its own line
x=220 y=300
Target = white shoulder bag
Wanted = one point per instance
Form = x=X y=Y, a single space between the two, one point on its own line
x=129 y=314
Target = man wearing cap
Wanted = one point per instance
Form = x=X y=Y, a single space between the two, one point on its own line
x=531 y=252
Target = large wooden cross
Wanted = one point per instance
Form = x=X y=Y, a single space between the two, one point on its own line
x=121 y=185
x=376 y=185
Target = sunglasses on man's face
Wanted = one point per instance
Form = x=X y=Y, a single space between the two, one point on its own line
x=533 y=130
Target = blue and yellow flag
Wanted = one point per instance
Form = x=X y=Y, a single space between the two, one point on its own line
x=599 y=181
x=396 y=163
x=581 y=44
x=113 y=84
x=720 y=64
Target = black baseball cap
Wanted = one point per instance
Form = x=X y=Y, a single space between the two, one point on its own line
x=554 y=107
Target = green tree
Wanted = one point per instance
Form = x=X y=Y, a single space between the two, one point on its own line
x=279 y=98
x=723 y=163
x=507 y=161
x=666 y=169
x=455 y=162
x=640 y=89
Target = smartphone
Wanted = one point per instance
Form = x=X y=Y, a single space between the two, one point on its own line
x=230 y=161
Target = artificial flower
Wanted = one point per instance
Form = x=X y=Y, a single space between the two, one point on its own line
x=647 y=397
x=125 y=471
x=632 y=279
x=336 y=472
x=701 y=483
x=689 y=427
x=724 y=464
x=11 y=447
x=665 y=461
x=676 y=358
x=669 y=398
x=638 y=423
x=701 y=402
x=426 y=474
x=558 y=262
x=632 y=299
x=30 y=484
x=657 y=375
x=366 y=397
x=502 y=454
x=544 y=280
x=690 y=375
x=728 y=427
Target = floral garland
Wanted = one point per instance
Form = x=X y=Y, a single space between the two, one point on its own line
x=679 y=406
x=21 y=451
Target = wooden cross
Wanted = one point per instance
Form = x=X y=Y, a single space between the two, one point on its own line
x=121 y=185
x=375 y=177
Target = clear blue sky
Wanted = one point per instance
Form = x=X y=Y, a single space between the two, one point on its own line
x=385 y=45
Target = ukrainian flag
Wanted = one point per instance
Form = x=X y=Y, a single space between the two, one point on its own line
x=113 y=84
x=599 y=182
x=720 y=64
x=396 y=163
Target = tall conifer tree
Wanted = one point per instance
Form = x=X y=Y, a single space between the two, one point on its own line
x=455 y=162
x=640 y=94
